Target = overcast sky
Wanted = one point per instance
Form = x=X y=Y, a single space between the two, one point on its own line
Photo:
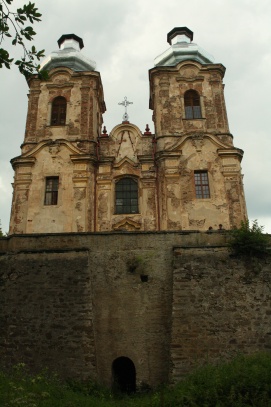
x=124 y=37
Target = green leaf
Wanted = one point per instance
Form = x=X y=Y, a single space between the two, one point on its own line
x=27 y=12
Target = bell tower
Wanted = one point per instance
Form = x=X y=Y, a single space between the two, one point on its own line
x=200 y=181
x=71 y=177
x=54 y=175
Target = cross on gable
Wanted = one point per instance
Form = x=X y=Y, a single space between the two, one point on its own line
x=125 y=103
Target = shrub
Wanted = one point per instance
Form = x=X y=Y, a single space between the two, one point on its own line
x=243 y=382
x=249 y=240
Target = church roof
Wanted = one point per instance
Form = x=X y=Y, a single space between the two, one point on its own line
x=182 y=48
x=69 y=55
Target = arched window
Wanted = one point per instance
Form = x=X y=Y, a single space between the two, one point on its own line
x=126 y=196
x=58 y=115
x=192 y=105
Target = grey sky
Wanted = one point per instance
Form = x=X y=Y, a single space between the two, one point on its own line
x=124 y=37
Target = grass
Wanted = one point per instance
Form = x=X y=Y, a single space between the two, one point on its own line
x=246 y=381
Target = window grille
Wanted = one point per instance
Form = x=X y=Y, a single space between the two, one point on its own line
x=126 y=196
x=202 y=184
x=51 y=191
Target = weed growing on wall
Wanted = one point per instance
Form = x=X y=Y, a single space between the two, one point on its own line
x=249 y=240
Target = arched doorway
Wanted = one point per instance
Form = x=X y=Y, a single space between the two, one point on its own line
x=124 y=375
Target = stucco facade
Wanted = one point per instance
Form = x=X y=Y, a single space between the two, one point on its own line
x=191 y=144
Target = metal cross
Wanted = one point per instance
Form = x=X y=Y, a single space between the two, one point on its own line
x=125 y=103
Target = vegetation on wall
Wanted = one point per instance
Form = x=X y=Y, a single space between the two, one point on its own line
x=249 y=240
x=243 y=382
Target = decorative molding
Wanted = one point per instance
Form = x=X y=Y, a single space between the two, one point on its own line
x=198 y=141
x=127 y=224
x=199 y=223
x=54 y=149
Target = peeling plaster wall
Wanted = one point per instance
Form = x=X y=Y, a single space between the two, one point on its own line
x=185 y=146
x=90 y=163
x=67 y=151
x=126 y=152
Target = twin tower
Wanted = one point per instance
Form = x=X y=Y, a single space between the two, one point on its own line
x=74 y=177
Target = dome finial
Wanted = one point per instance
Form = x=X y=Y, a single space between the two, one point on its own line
x=184 y=31
x=70 y=40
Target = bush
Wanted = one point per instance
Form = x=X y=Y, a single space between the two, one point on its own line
x=243 y=382
x=249 y=240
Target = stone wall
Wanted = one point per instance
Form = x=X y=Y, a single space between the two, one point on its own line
x=221 y=307
x=168 y=301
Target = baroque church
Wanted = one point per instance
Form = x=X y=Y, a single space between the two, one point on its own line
x=75 y=176
x=110 y=271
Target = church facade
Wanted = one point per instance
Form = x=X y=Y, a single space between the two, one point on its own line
x=73 y=176
x=147 y=292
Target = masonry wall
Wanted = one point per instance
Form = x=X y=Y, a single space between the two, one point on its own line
x=168 y=301
x=221 y=307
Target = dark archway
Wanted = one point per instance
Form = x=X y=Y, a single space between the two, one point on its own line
x=124 y=375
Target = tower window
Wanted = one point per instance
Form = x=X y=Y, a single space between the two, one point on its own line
x=126 y=196
x=59 y=107
x=202 y=184
x=51 y=191
x=192 y=105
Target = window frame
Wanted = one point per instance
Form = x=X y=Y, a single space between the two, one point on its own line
x=129 y=196
x=192 y=105
x=51 y=191
x=201 y=184
x=58 y=114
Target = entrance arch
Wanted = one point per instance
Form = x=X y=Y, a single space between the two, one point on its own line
x=124 y=375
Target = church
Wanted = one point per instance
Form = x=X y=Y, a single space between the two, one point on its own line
x=117 y=264
x=74 y=175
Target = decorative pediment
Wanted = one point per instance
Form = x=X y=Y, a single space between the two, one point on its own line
x=125 y=127
x=198 y=140
x=53 y=147
x=127 y=224
x=60 y=77
x=125 y=162
x=189 y=71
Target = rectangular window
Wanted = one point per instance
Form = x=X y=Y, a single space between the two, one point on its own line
x=126 y=196
x=51 y=190
x=202 y=184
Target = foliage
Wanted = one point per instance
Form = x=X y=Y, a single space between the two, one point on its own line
x=13 y=26
x=2 y=234
x=241 y=383
x=249 y=240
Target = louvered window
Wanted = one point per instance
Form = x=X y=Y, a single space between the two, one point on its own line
x=202 y=184
x=59 y=107
x=51 y=191
x=192 y=105
x=126 y=196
